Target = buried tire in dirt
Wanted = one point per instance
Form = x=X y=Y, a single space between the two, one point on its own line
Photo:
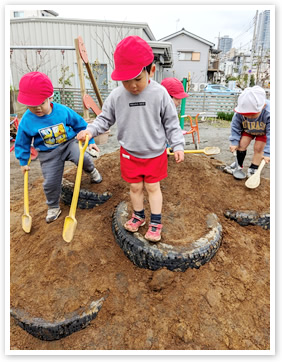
x=145 y=254
x=50 y=331
x=86 y=199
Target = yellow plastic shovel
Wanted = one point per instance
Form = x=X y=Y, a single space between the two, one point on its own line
x=26 y=218
x=207 y=151
x=70 y=221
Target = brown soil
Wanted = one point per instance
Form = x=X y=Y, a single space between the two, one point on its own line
x=224 y=305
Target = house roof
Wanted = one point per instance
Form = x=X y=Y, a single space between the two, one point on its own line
x=185 y=32
x=162 y=52
x=144 y=26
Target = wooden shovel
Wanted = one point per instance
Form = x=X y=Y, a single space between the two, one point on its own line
x=70 y=221
x=26 y=218
x=84 y=57
x=254 y=180
x=207 y=151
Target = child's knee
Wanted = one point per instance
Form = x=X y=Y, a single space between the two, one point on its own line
x=136 y=187
x=259 y=147
x=153 y=187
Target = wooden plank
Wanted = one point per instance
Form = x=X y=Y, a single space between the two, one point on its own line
x=81 y=79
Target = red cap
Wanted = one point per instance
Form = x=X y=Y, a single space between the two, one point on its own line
x=132 y=54
x=34 y=88
x=174 y=87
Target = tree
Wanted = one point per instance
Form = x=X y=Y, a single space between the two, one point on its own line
x=252 y=80
x=65 y=80
x=100 y=40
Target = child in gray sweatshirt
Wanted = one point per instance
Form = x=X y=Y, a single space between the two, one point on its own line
x=146 y=118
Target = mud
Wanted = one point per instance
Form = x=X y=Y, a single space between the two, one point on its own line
x=224 y=305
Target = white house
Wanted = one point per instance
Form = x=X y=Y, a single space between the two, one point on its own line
x=190 y=55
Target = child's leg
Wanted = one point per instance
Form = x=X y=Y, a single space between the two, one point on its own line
x=258 y=152
x=52 y=167
x=155 y=197
x=156 y=202
x=137 y=196
x=137 y=199
x=242 y=149
x=72 y=152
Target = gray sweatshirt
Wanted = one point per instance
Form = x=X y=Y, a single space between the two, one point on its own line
x=144 y=122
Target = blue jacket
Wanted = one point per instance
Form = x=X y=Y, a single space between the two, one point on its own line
x=256 y=127
x=47 y=132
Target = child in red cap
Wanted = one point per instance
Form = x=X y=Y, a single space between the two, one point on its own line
x=53 y=128
x=175 y=90
x=146 y=117
x=251 y=120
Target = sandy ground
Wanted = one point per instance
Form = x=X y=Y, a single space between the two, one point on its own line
x=224 y=305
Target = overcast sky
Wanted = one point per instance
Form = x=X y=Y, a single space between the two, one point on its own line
x=206 y=21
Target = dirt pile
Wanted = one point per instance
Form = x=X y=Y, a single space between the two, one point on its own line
x=223 y=305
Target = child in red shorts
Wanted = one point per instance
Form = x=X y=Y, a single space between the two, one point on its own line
x=146 y=117
x=251 y=121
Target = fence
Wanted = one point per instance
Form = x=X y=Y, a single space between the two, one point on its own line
x=211 y=104
x=197 y=102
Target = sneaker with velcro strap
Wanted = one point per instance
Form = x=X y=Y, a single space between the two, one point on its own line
x=134 y=223
x=230 y=168
x=53 y=214
x=95 y=176
x=251 y=171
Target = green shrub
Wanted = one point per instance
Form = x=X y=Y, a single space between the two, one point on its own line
x=225 y=116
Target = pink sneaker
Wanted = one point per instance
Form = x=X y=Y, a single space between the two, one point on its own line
x=154 y=232
x=134 y=223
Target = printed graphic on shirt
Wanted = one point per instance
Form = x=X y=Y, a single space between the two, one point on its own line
x=254 y=126
x=137 y=104
x=53 y=135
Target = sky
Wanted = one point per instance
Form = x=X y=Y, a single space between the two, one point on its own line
x=208 y=22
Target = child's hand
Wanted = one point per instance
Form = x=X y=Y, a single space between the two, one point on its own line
x=266 y=159
x=93 y=145
x=25 y=168
x=233 y=148
x=82 y=135
x=179 y=156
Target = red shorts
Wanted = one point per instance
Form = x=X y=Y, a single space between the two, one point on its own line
x=135 y=170
x=261 y=138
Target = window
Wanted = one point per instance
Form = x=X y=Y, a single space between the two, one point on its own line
x=18 y=14
x=196 y=56
x=189 y=55
x=185 y=56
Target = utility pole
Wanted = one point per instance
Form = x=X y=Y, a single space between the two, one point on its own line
x=253 y=49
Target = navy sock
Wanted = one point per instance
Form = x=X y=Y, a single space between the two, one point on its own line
x=156 y=218
x=255 y=167
x=140 y=213
x=240 y=157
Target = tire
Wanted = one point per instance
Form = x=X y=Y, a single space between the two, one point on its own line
x=155 y=256
x=86 y=199
x=245 y=218
x=50 y=331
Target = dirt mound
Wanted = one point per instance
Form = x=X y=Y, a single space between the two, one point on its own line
x=223 y=305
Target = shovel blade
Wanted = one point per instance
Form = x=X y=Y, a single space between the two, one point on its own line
x=253 y=183
x=26 y=223
x=211 y=150
x=69 y=228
